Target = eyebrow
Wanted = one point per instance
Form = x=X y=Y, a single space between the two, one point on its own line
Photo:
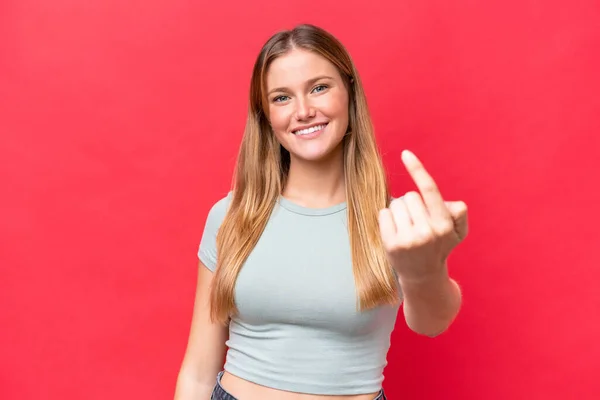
x=308 y=82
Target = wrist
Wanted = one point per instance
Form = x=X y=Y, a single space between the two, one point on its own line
x=438 y=275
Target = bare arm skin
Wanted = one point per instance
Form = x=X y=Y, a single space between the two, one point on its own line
x=205 y=352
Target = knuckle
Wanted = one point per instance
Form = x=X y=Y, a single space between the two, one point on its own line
x=429 y=187
x=394 y=203
x=399 y=245
x=411 y=197
x=423 y=234
x=445 y=228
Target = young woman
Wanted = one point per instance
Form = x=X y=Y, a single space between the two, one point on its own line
x=305 y=263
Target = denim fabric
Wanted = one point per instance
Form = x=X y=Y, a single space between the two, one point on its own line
x=221 y=394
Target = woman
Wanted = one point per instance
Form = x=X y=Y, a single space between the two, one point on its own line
x=304 y=264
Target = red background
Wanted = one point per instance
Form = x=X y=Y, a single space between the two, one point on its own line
x=119 y=126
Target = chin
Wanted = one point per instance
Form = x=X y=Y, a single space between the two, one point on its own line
x=317 y=155
x=310 y=157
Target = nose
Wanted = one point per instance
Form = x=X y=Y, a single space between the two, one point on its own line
x=304 y=110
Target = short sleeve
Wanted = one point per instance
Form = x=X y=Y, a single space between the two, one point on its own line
x=207 y=251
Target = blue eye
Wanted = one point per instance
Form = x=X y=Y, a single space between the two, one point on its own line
x=322 y=87
x=279 y=99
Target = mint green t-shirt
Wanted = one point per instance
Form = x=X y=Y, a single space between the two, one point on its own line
x=298 y=327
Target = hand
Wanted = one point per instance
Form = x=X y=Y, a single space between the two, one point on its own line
x=420 y=231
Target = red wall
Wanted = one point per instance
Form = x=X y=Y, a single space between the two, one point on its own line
x=119 y=126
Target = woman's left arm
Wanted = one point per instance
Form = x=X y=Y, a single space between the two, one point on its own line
x=431 y=304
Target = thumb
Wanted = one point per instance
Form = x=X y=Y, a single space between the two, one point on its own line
x=458 y=211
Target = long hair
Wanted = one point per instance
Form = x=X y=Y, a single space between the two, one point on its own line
x=262 y=169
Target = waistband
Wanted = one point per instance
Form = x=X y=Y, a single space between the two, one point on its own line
x=219 y=393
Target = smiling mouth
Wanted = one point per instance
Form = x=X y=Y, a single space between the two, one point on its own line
x=310 y=130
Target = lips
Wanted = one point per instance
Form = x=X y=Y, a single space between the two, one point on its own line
x=307 y=130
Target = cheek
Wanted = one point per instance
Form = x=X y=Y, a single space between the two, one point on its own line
x=336 y=106
x=279 y=121
x=279 y=118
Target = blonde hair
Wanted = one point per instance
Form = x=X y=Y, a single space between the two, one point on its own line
x=262 y=168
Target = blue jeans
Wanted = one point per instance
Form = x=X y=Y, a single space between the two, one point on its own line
x=219 y=393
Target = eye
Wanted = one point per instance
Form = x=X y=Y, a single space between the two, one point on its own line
x=319 y=88
x=279 y=99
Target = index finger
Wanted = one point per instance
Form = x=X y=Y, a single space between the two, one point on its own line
x=427 y=186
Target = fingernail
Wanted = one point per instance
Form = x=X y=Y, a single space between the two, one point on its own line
x=407 y=155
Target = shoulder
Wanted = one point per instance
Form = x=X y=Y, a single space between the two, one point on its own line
x=219 y=208
x=207 y=251
x=216 y=215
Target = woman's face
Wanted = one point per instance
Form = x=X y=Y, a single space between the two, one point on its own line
x=308 y=104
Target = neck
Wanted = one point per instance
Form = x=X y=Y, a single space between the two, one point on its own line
x=317 y=184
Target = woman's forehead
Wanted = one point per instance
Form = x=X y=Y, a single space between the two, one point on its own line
x=298 y=67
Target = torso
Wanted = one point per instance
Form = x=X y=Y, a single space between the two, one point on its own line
x=298 y=334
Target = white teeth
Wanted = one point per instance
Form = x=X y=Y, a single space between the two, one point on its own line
x=309 y=130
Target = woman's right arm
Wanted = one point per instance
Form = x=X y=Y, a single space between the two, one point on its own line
x=205 y=352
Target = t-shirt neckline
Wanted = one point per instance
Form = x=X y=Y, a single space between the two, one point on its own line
x=298 y=209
